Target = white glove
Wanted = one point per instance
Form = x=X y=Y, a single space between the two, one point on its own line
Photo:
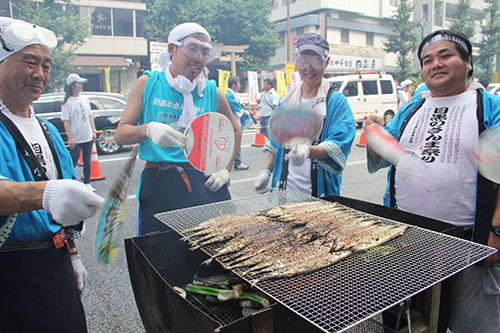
x=70 y=202
x=216 y=180
x=298 y=154
x=260 y=183
x=80 y=273
x=164 y=135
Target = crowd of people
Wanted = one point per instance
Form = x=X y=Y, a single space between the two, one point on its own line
x=43 y=206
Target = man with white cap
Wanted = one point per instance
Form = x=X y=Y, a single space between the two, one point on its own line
x=439 y=178
x=314 y=167
x=404 y=94
x=38 y=195
x=160 y=105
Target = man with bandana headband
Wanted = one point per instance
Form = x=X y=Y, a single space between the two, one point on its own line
x=41 y=271
x=439 y=177
x=160 y=106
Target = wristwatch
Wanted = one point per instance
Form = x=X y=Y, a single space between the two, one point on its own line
x=496 y=230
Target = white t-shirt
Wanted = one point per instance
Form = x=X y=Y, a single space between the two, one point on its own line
x=439 y=179
x=33 y=134
x=403 y=98
x=77 y=111
x=299 y=177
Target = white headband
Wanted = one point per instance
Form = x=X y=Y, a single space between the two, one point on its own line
x=439 y=37
x=180 y=32
x=16 y=35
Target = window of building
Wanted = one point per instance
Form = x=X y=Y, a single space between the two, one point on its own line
x=299 y=31
x=101 y=21
x=344 y=36
x=139 y=27
x=369 y=38
x=438 y=13
x=369 y=87
x=4 y=8
x=386 y=86
x=123 y=23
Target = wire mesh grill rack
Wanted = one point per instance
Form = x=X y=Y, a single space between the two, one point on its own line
x=341 y=296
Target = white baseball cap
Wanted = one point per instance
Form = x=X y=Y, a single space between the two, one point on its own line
x=406 y=83
x=73 y=77
x=15 y=35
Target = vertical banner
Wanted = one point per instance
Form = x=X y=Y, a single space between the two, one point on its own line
x=280 y=84
x=294 y=79
x=322 y=25
x=107 y=79
x=253 y=87
x=223 y=78
x=289 y=68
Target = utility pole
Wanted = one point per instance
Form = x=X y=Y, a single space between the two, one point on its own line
x=288 y=32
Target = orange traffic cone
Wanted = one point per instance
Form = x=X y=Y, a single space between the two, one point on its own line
x=95 y=169
x=260 y=140
x=362 y=138
x=80 y=161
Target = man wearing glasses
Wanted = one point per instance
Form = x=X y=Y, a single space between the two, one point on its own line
x=160 y=106
x=314 y=167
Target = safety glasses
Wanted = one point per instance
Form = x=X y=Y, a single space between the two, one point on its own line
x=192 y=47
x=304 y=61
x=20 y=33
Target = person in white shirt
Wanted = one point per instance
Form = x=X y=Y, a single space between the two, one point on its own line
x=404 y=95
x=439 y=178
x=268 y=102
x=78 y=124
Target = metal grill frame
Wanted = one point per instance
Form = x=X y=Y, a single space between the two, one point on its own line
x=364 y=284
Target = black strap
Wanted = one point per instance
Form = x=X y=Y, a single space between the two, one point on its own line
x=23 y=146
x=392 y=189
x=315 y=164
x=486 y=190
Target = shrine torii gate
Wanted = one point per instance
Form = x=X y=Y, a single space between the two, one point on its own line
x=231 y=54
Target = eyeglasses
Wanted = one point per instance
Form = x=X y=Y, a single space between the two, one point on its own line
x=304 y=61
x=22 y=32
x=192 y=47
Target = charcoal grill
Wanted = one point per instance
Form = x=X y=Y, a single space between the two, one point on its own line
x=340 y=297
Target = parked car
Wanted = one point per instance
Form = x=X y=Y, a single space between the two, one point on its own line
x=494 y=88
x=106 y=108
x=368 y=93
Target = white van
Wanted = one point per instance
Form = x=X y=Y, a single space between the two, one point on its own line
x=368 y=94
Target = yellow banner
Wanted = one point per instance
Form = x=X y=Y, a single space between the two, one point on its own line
x=280 y=84
x=107 y=80
x=223 y=78
x=289 y=68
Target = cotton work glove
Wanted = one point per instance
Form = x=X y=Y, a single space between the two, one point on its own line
x=80 y=273
x=164 y=135
x=69 y=201
x=298 y=154
x=216 y=180
x=260 y=183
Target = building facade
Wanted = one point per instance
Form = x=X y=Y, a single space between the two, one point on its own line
x=357 y=30
x=115 y=44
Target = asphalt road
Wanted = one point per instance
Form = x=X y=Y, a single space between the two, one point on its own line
x=108 y=297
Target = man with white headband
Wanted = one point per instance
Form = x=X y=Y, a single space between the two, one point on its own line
x=160 y=106
x=42 y=275
x=439 y=177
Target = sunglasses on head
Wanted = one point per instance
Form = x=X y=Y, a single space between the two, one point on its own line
x=22 y=32
x=192 y=47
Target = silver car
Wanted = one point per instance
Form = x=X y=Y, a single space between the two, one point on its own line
x=106 y=108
